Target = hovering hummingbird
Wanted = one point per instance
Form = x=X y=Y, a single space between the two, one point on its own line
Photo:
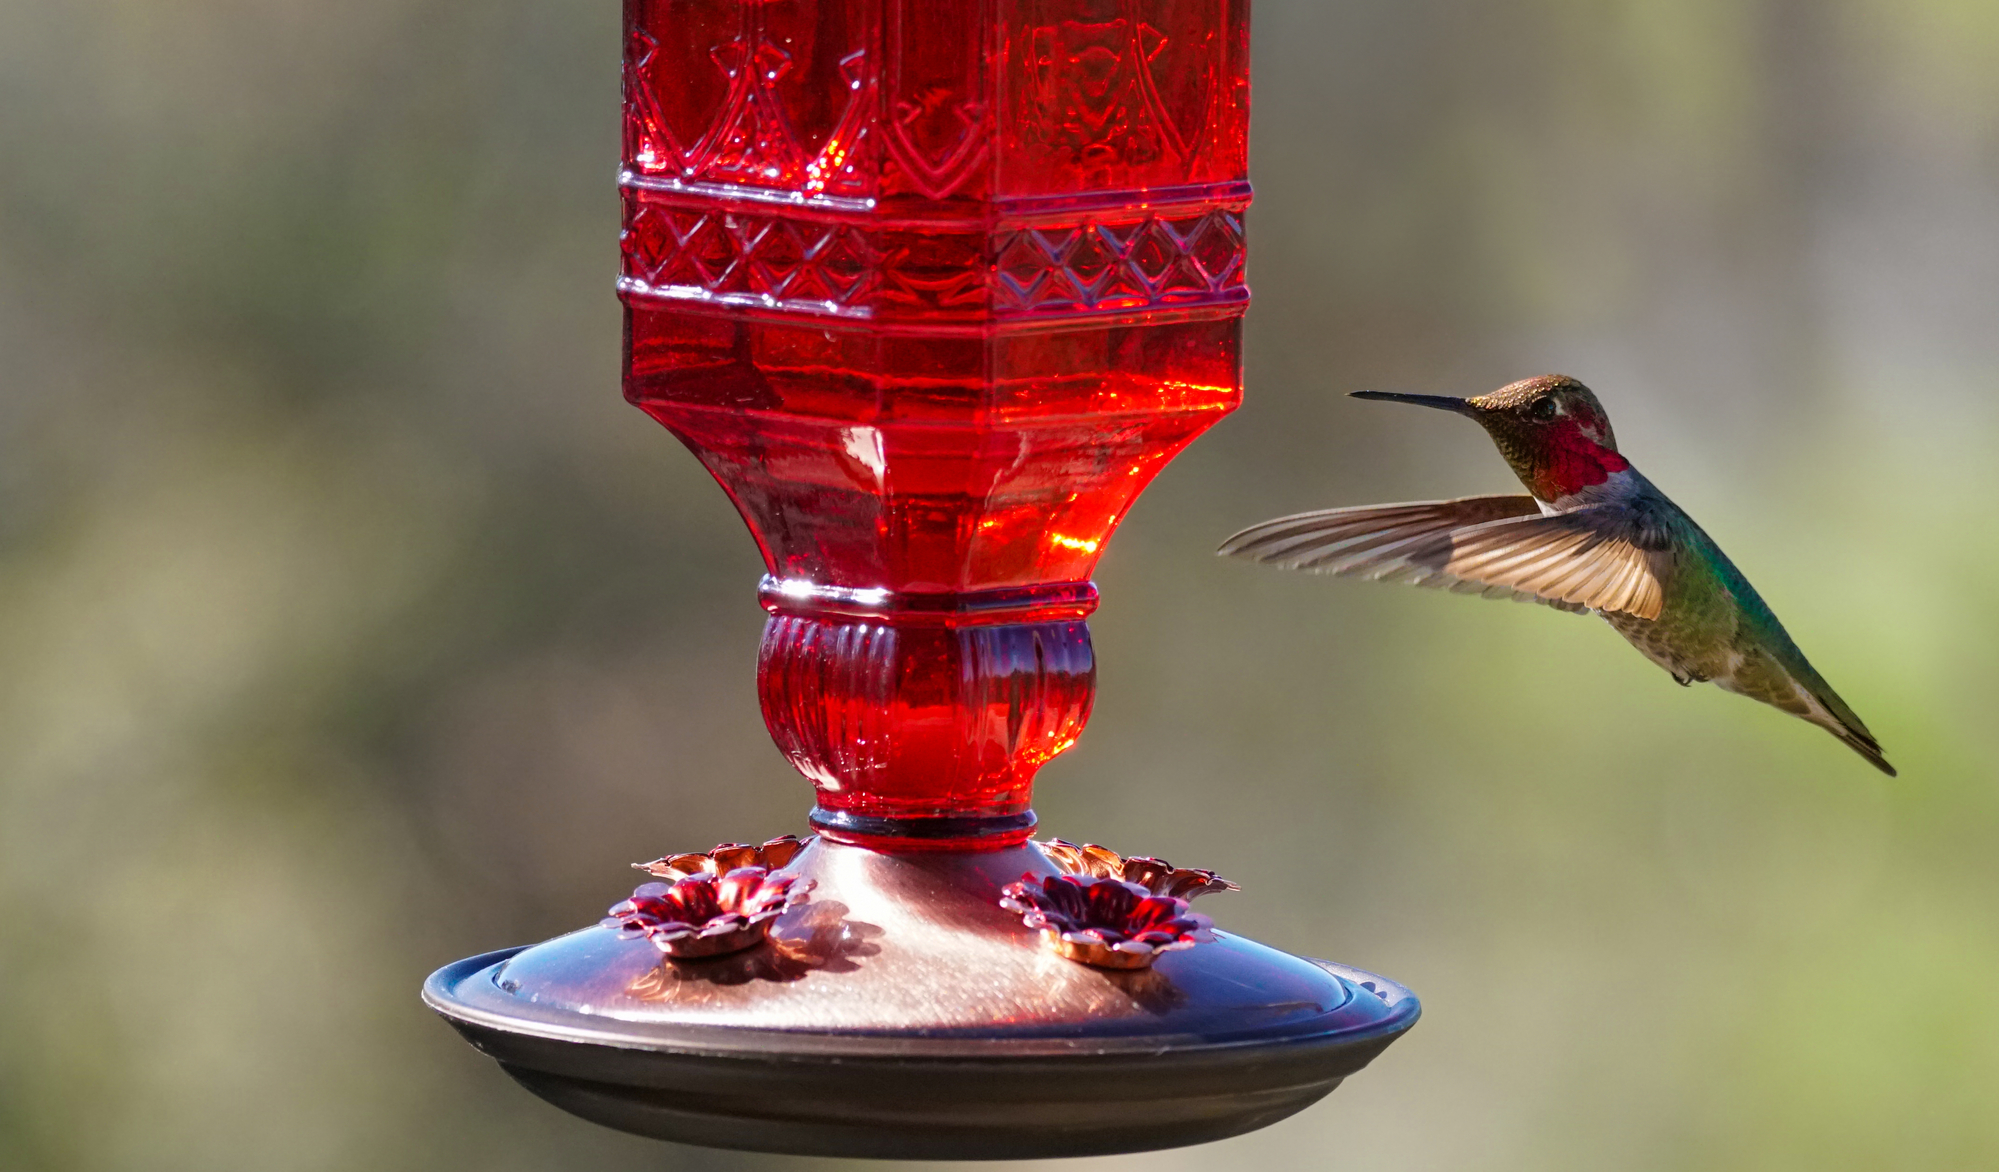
x=1595 y=536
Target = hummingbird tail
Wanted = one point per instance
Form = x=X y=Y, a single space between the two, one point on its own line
x=1838 y=718
x=1792 y=686
x=1867 y=747
x=1832 y=714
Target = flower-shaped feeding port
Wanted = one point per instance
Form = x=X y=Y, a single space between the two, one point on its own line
x=706 y=915
x=725 y=858
x=1155 y=875
x=816 y=937
x=1104 y=922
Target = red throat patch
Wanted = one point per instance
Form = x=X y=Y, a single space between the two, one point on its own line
x=1571 y=461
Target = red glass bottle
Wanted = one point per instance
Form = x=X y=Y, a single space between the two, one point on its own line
x=933 y=288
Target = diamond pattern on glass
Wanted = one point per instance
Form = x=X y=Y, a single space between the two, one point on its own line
x=748 y=258
x=1104 y=265
x=774 y=258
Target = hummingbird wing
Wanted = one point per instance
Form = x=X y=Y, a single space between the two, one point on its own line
x=1603 y=557
x=1311 y=541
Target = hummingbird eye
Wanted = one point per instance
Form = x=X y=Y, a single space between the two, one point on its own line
x=1544 y=409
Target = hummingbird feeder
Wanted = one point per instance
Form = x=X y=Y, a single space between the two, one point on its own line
x=933 y=288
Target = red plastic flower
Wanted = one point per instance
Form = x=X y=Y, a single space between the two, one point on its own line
x=726 y=858
x=1104 y=922
x=706 y=915
x=1155 y=875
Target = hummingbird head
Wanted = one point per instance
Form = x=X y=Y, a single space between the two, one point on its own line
x=1551 y=430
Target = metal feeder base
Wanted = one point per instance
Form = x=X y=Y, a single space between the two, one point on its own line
x=903 y=1013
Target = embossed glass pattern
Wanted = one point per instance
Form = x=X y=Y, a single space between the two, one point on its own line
x=933 y=288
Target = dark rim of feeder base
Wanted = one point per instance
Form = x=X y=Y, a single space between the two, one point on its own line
x=959 y=1096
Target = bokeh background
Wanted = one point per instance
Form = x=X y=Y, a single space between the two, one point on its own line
x=351 y=623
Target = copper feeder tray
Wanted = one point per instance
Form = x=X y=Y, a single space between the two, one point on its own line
x=904 y=1014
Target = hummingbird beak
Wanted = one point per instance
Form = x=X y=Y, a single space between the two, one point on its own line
x=1440 y=402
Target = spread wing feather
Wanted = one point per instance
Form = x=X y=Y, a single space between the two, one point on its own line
x=1596 y=558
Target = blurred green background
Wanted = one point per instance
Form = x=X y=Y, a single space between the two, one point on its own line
x=351 y=623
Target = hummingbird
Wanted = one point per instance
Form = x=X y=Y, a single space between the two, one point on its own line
x=1593 y=537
